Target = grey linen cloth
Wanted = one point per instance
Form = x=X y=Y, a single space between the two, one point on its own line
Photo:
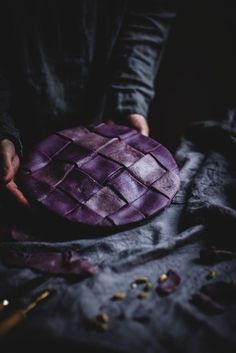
x=202 y=213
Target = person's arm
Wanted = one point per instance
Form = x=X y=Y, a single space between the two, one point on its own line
x=10 y=146
x=136 y=59
x=8 y=129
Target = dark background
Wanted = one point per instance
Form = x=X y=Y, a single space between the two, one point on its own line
x=196 y=80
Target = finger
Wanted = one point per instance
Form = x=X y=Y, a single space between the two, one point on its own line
x=16 y=163
x=144 y=130
x=139 y=123
x=136 y=121
x=7 y=170
x=15 y=192
x=7 y=153
x=142 y=127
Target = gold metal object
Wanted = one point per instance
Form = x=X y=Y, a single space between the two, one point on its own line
x=141 y=280
x=103 y=318
x=144 y=295
x=211 y=275
x=95 y=323
x=119 y=296
x=3 y=304
x=148 y=286
x=162 y=278
x=17 y=316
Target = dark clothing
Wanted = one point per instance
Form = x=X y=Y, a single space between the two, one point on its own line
x=75 y=62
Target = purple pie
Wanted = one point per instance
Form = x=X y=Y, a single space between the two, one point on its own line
x=104 y=175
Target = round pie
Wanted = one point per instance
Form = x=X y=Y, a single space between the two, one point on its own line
x=104 y=175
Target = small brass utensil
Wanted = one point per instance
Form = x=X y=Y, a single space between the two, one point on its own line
x=17 y=316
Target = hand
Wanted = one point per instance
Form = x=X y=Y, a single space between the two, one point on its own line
x=9 y=165
x=138 y=122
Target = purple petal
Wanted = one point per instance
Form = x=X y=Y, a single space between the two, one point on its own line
x=205 y=303
x=214 y=255
x=222 y=292
x=58 y=263
x=213 y=297
x=170 y=284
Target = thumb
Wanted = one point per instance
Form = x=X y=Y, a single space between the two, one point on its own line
x=17 y=194
x=7 y=153
x=139 y=123
x=7 y=170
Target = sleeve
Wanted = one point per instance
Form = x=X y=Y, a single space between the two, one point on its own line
x=137 y=56
x=7 y=126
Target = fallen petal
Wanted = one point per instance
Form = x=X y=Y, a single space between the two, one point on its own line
x=222 y=292
x=60 y=263
x=212 y=255
x=170 y=284
x=206 y=304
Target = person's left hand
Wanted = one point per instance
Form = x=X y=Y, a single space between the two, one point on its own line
x=138 y=122
x=9 y=165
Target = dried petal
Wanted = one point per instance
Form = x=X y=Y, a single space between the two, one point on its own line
x=205 y=303
x=98 y=325
x=213 y=297
x=61 y=263
x=148 y=286
x=223 y=292
x=141 y=280
x=211 y=274
x=170 y=284
x=103 y=318
x=144 y=295
x=211 y=255
x=119 y=296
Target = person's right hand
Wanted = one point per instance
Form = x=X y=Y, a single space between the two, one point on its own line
x=9 y=165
